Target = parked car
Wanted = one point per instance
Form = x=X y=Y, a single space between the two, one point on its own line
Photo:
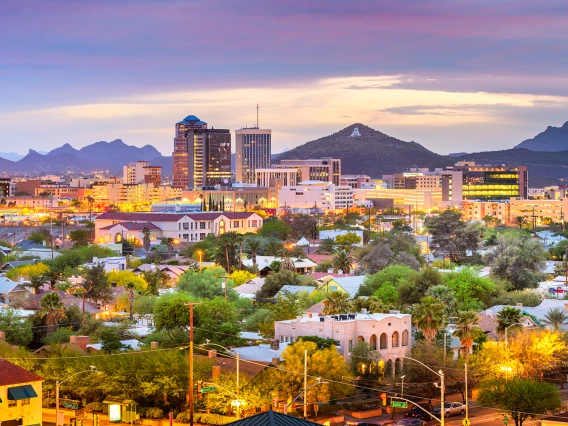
x=410 y=422
x=417 y=413
x=450 y=409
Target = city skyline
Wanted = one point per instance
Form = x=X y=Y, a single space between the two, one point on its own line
x=485 y=75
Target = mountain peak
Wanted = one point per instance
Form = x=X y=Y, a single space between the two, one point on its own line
x=553 y=139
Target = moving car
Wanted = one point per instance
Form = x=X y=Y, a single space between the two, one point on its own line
x=417 y=413
x=451 y=408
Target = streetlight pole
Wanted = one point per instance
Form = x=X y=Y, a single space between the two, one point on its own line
x=191 y=305
x=57 y=383
x=305 y=384
x=440 y=374
x=319 y=382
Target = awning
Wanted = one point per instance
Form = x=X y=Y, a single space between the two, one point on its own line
x=21 y=392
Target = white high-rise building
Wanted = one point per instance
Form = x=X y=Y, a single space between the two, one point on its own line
x=253 y=151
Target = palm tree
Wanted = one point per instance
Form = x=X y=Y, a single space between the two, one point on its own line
x=467 y=330
x=508 y=317
x=336 y=302
x=327 y=246
x=36 y=281
x=342 y=260
x=556 y=318
x=428 y=316
x=520 y=220
x=254 y=245
x=51 y=307
x=146 y=238
x=287 y=264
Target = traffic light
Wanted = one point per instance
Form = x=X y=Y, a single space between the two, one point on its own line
x=199 y=387
x=383 y=397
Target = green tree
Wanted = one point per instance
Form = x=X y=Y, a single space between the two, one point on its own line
x=450 y=236
x=327 y=246
x=366 y=363
x=58 y=337
x=155 y=280
x=273 y=227
x=413 y=290
x=342 y=261
x=556 y=318
x=508 y=318
x=128 y=279
x=241 y=277
x=467 y=330
x=80 y=237
x=378 y=258
x=253 y=244
x=95 y=286
x=428 y=317
x=206 y=284
x=171 y=313
x=52 y=309
x=110 y=340
x=520 y=221
x=274 y=282
x=445 y=295
x=471 y=291
x=347 y=240
x=336 y=302
x=40 y=236
x=228 y=251
x=18 y=331
x=521 y=399
x=390 y=276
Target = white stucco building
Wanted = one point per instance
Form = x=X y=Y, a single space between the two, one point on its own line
x=388 y=333
x=317 y=194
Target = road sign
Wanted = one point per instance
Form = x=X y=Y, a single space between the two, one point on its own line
x=72 y=405
x=466 y=422
x=208 y=389
x=400 y=404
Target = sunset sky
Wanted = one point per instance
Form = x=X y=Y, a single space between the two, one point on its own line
x=452 y=75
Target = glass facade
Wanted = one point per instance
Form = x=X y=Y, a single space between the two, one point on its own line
x=494 y=184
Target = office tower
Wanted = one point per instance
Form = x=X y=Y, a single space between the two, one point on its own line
x=5 y=184
x=202 y=155
x=325 y=169
x=253 y=150
x=142 y=172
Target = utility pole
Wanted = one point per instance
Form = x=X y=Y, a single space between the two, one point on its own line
x=466 y=397
x=238 y=400
x=305 y=384
x=191 y=305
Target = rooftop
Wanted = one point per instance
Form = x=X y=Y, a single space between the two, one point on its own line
x=11 y=374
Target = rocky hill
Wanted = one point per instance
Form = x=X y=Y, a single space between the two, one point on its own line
x=363 y=150
x=552 y=139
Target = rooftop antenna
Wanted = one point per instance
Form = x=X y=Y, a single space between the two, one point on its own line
x=257 y=117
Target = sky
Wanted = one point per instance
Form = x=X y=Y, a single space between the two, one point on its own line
x=453 y=75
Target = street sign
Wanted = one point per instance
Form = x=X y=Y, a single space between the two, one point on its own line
x=466 y=422
x=72 y=405
x=400 y=404
x=208 y=389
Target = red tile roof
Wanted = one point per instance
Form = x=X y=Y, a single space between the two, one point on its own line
x=11 y=374
x=133 y=226
x=318 y=258
x=171 y=217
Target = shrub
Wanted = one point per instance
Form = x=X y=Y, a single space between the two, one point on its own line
x=48 y=403
x=96 y=407
x=204 y=418
x=154 y=413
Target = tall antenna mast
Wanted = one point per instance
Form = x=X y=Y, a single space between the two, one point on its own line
x=257 y=117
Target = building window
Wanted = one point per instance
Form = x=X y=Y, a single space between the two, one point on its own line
x=405 y=338
x=25 y=401
x=350 y=345
x=12 y=403
x=395 y=339
x=235 y=224
x=202 y=236
x=201 y=225
x=186 y=236
x=186 y=226
x=383 y=341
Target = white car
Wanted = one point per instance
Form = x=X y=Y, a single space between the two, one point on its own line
x=451 y=408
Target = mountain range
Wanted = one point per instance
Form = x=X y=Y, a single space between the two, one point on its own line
x=362 y=150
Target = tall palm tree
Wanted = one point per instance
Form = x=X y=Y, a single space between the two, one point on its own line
x=287 y=264
x=507 y=317
x=336 y=302
x=51 y=307
x=467 y=330
x=254 y=245
x=428 y=316
x=520 y=221
x=342 y=260
x=556 y=318
x=146 y=238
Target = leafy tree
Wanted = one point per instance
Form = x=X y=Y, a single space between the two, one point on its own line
x=51 y=308
x=378 y=258
x=347 y=240
x=18 y=331
x=155 y=280
x=327 y=246
x=366 y=363
x=451 y=236
x=111 y=340
x=273 y=227
x=467 y=330
x=287 y=306
x=34 y=272
x=71 y=317
x=392 y=276
x=128 y=279
x=336 y=302
x=253 y=244
x=144 y=304
x=471 y=291
x=428 y=317
x=517 y=260
x=521 y=399
x=520 y=221
x=301 y=225
x=445 y=295
x=324 y=266
x=342 y=261
x=95 y=286
x=274 y=282
x=413 y=290
x=508 y=318
x=206 y=284
x=171 y=313
x=321 y=342
x=428 y=354
x=80 y=237
x=59 y=336
x=241 y=277
x=556 y=318
x=406 y=259
x=40 y=236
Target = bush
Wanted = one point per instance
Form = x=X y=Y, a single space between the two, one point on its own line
x=154 y=413
x=204 y=418
x=48 y=403
x=98 y=407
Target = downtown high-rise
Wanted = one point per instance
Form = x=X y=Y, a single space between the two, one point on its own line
x=202 y=155
x=253 y=151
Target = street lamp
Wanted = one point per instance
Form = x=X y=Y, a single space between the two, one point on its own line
x=57 y=383
x=200 y=254
x=440 y=374
x=238 y=358
x=319 y=381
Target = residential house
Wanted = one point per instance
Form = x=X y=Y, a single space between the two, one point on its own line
x=250 y=288
x=173 y=271
x=15 y=263
x=344 y=284
x=20 y=396
x=390 y=333
x=295 y=289
x=302 y=266
x=117 y=263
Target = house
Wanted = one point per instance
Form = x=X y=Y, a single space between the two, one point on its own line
x=189 y=227
x=250 y=288
x=272 y=418
x=228 y=364
x=530 y=317
x=15 y=263
x=302 y=266
x=33 y=303
x=6 y=287
x=390 y=333
x=344 y=284
x=20 y=396
x=295 y=289
x=117 y=263
x=173 y=271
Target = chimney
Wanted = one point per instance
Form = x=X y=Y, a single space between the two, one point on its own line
x=81 y=341
x=275 y=361
x=15 y=348
x=211 y=354
x=153 y=345
x=2 y=335
x=215 y=372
